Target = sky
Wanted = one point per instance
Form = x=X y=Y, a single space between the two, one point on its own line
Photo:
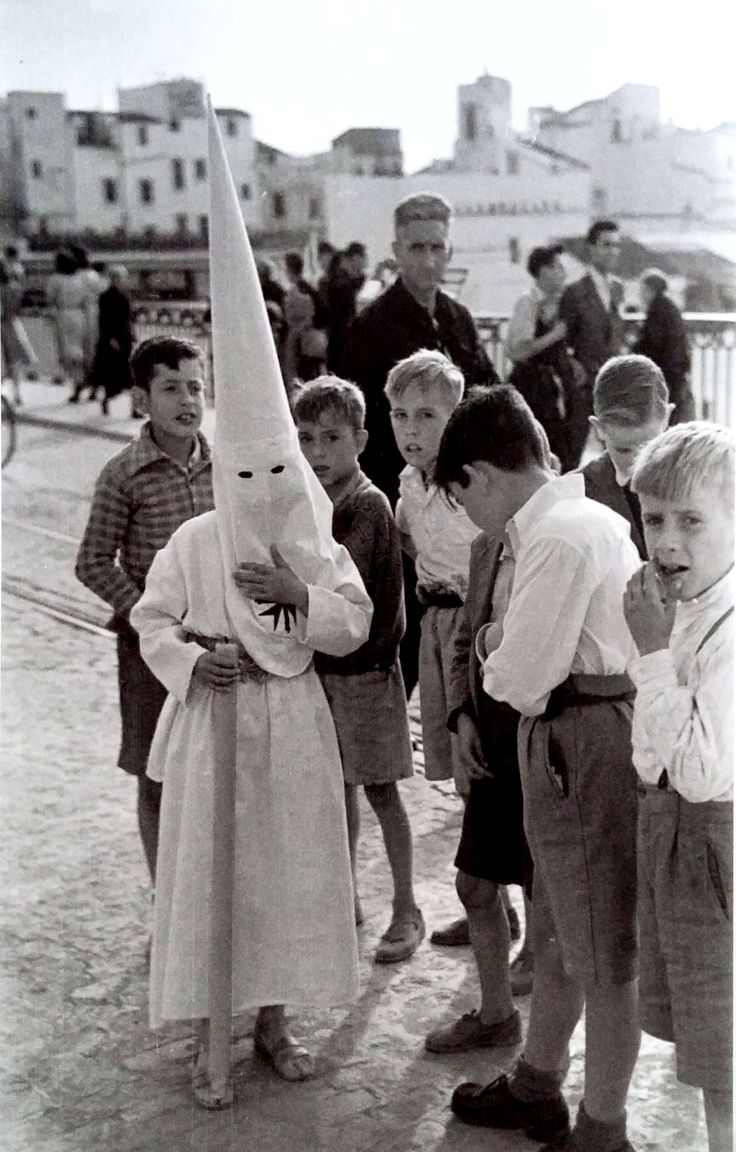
x=308 y=69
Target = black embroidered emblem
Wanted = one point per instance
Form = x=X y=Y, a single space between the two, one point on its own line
x=275 y=610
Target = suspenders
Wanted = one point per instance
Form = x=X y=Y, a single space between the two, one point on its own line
x=664 y=779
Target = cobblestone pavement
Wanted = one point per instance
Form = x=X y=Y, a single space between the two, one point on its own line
x=79 y=1068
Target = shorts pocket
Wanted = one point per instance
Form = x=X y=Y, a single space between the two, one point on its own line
x=556 y=765
x=716 y=878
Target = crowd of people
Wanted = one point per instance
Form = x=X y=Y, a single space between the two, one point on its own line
x=399 y=515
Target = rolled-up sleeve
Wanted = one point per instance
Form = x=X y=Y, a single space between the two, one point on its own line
x=686 y=729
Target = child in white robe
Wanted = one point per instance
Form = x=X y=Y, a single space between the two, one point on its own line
x=293 y=932
x=263 y=572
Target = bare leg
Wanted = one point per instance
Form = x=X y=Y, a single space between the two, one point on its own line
x=149 y=813
x=388 y=806
x=352 y=811
x=489 y=938
x=719 y=1119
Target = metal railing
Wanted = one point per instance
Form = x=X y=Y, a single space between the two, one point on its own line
x=712 y=339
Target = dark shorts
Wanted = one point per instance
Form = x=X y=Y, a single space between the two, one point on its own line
x=685 y=861
x=492 y=844
x=141 y=700
x=580 y=808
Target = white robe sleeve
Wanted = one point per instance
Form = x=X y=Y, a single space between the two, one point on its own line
x=157 y=617
x=339 y=617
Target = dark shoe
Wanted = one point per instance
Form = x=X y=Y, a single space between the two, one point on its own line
x=495 y=1107
x=514 y=925
x=521 y=974
x=455 y=935
x=566 y=1142
x=470 y=1032
x=401 y=939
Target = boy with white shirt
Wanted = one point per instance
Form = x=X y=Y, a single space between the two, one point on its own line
x=561 y=663
x=679 y=608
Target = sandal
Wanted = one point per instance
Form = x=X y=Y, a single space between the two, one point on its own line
x=210 y=1096
x=288 y=1058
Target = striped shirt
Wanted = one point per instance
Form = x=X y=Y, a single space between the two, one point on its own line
x=140 y=499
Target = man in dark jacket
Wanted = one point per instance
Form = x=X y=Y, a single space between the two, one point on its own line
x=590 y=306
x=412 y=314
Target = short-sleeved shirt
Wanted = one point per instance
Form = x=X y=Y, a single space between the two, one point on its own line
x=441 y=532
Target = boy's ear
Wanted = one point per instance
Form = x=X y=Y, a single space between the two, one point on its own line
x=596 y=426
x=141 y=400
x=361 y=439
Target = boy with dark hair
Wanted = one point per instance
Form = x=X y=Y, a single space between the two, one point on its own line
x=679 y=608
x=365 y=690
x=141 y=497
x=630 y=407
x=561 y=663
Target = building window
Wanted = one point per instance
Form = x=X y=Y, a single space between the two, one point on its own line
x=31 y=113
x=204 y=226
x=279 y=205
x=315 y=208
x=174 y=125
x=616 y=132
x=200 y=169
x=231 y=126
x=514 y=250
x=110 y=190
x=36 y=169
x=245 y=192
x=177 y=173
x=142 y=133
x=182 y=223
x=512 y=164
x=471 y=122
x=145 y=188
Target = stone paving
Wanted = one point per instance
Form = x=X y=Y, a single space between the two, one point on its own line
x=79 y=1068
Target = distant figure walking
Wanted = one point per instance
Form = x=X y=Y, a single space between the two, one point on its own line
x=67 y=296
x=18 y=354
x=664 y=340
x=111 y=367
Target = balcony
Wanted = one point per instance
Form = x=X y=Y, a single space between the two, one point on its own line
x=712 y=342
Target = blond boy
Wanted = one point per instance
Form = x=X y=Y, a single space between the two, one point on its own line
x=679 y=609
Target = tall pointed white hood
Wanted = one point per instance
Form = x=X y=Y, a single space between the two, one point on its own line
x=265 y=492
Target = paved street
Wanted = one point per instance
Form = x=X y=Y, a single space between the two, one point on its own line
x=79 y=1068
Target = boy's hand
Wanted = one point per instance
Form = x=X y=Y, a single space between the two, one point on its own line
x=649 y=612
x=215 y=671
x=277 y=585
x=469 y=748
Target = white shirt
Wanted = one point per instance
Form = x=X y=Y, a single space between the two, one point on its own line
x=574 y=557
x=603 y=286
x=523 y=322
x=442 y=533
x=683 y=715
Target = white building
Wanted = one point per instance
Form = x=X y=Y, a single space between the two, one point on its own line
x=642 y=168
x=140 y=171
